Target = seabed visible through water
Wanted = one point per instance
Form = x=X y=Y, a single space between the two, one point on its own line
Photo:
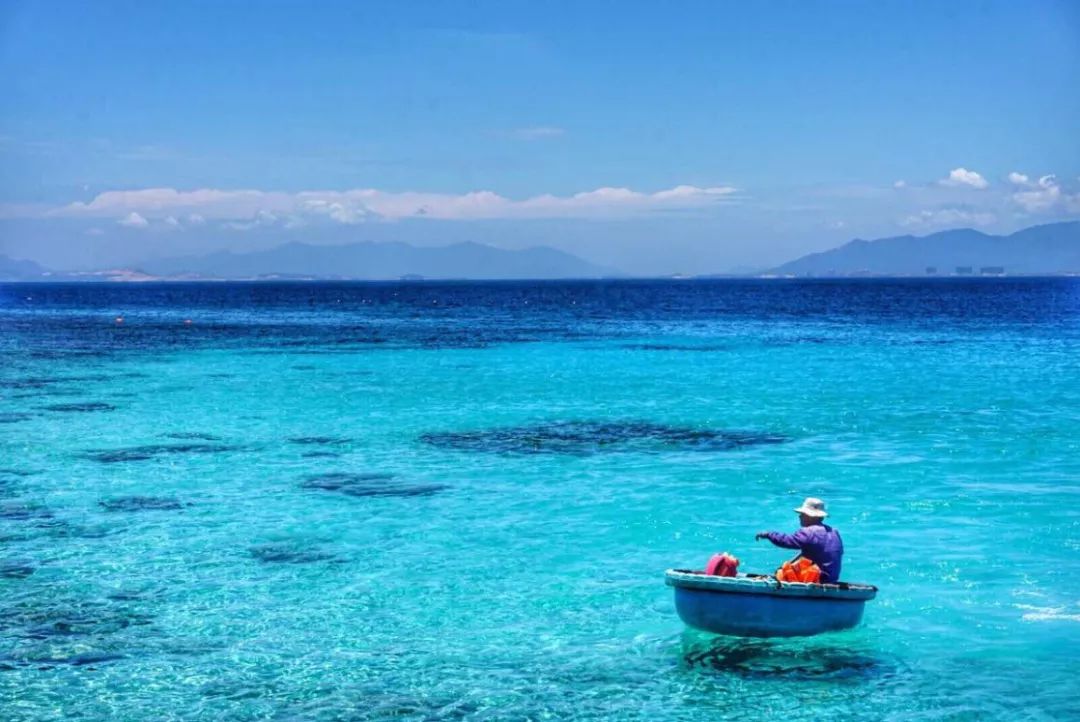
x=456 y=501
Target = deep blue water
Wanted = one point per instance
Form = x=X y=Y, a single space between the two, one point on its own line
x=456 y=500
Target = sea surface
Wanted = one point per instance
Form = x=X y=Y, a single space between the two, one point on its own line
x=456 y=501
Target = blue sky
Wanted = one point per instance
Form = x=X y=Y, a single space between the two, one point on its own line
x=655 y=137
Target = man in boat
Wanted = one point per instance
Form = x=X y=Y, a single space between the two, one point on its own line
x=816 y=541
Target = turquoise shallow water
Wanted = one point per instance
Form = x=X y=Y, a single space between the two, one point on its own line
x=292 y=508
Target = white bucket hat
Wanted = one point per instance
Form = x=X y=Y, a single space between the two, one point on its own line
x=813 y=507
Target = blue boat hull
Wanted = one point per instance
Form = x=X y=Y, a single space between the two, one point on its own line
x=744 y=615
x=756 y=608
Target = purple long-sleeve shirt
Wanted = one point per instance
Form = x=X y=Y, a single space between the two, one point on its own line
x=819 y=543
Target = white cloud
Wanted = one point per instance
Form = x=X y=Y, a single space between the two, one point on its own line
x=1045 y=196
x=942 y=217
x=1019 y=179
x=536 y=132
x=900 y=184
x=964 y=177
x=262 y=218
x=134 y=220
x=336 y=210
x=158 y=202
x=683 y=191
x=243 y=209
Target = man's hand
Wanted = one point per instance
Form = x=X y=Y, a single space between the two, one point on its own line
x=760 y=535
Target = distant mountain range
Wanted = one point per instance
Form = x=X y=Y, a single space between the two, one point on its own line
x=1040 y=250
x=384 y=261
x=13 y=270
x=362 y=261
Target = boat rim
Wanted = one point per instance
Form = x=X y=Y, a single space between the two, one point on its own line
x=768 y=586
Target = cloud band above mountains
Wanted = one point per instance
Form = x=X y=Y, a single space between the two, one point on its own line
x=962 y=197
x=247 y=207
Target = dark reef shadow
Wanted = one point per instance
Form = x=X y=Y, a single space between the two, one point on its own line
x=319 y=440
x=290 y=552
x=140 y=503
x=14 y=417
x=785 y=659
x=191 y=436
x=153 y=451
x=703 y=348
x=368 y=485
x=583 y=438
x=16 y=568
x=84 y=407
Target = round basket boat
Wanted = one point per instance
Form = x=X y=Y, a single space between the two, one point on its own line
x=760 y=606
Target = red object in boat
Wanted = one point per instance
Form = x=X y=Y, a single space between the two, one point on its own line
x=722 y=565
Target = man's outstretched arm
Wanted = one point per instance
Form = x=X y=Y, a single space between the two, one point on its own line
x=786 y=541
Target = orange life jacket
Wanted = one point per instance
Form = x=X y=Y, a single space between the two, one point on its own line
x=801 y=570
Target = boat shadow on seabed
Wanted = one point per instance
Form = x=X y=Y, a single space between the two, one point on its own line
x=788 y=659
